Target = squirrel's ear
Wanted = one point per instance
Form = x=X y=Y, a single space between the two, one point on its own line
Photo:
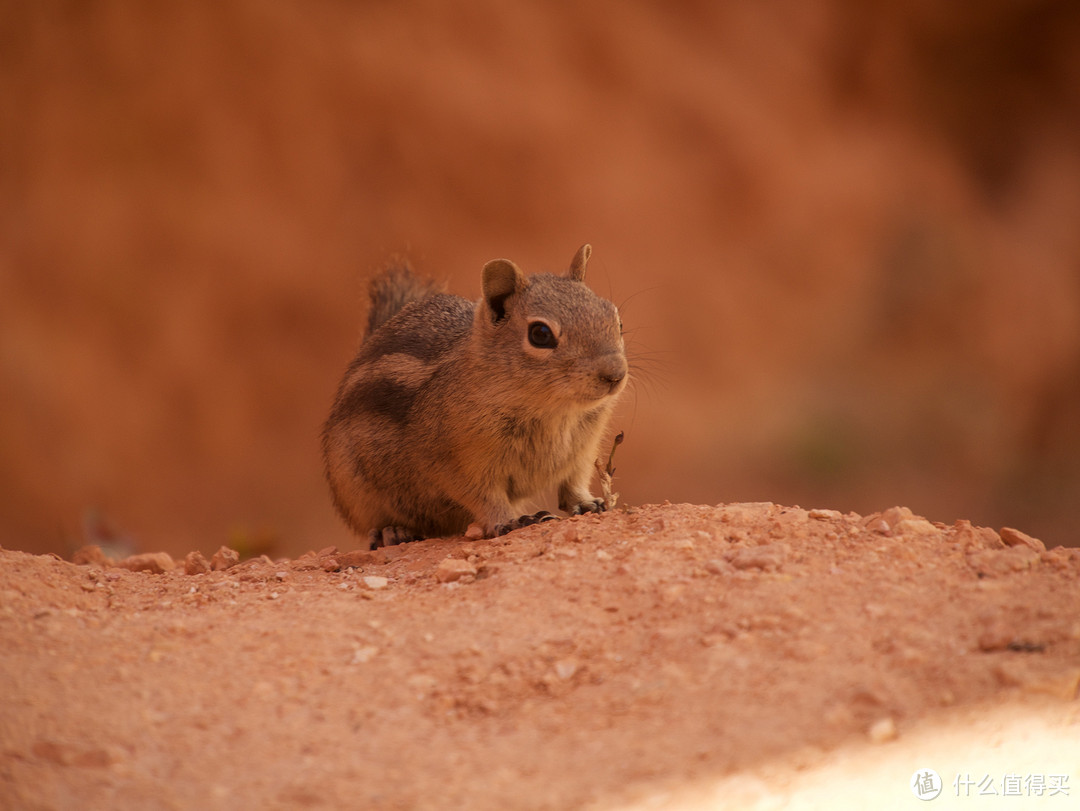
x=577 y=265
x=501 y=279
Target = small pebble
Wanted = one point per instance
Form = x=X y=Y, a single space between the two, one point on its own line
x=196 y=563
x=1014 y=537
x=355 y=559
x=90 y=555
x=362 y=655
x=475 y=532
x=374 y=582
x=767 y=558
x=914 y=526
x=566 y=668
x=894 y=515
x=571 y=534
x=451 y=569
x=883 y=731
x=224 y=558
x=718 y=567
x=153 y=562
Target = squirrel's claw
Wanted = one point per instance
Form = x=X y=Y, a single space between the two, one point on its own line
x=595 y=505
x=392 y=536
x=525 y=521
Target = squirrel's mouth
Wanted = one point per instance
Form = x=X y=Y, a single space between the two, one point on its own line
x=607 y=389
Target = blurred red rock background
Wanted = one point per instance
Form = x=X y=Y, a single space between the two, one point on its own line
x=845 y=237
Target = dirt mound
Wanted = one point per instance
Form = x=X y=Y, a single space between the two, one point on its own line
x=597 y=660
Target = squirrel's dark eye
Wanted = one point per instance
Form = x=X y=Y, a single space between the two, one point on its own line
x=541 y=336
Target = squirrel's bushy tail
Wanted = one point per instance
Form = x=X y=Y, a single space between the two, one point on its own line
x=393 y=288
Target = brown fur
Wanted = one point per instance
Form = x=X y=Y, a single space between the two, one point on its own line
x=450 y=415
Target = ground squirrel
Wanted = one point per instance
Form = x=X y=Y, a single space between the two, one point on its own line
x=456 y=412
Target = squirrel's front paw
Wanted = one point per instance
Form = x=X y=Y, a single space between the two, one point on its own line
x=593 y=505
x=525 y=521
x=392 y=536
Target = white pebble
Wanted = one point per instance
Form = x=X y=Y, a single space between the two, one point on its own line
x=883 y=731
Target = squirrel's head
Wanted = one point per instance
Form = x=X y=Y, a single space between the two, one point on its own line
x=552 y=334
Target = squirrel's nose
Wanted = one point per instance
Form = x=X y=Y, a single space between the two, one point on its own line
x=613 y=371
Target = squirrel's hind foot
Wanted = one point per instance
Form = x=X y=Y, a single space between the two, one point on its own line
x=392 y=536
x=525 y=521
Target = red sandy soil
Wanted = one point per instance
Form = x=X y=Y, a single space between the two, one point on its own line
x=632 y=659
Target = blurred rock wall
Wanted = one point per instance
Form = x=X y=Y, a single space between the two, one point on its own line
x=843 y=237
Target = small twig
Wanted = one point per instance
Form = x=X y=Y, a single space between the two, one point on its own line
x=606 y=473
